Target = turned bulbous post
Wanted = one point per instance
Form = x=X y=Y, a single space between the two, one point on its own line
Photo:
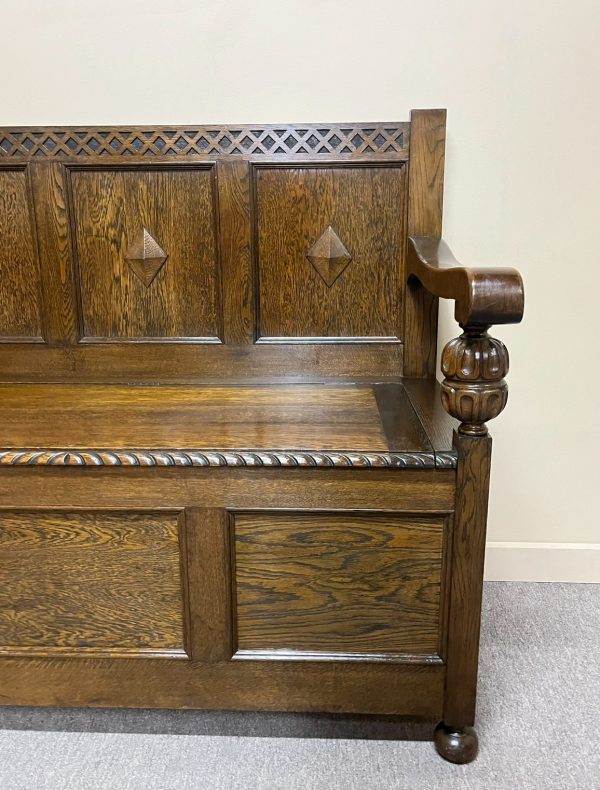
x=473 y=390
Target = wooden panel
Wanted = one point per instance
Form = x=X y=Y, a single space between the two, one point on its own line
x=236 y=685
x=338 y=582
x=293 y=416
x=365 y=208
x=426 y=191
x=402 y=427
x=130 y=363
x=135 y=488
x=79 y=582
x=61 y=308
x=208 y=553
x=20 y=315
x=177 y=208
x=235 y=232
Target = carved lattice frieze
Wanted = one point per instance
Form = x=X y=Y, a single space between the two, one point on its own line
x=351 y=139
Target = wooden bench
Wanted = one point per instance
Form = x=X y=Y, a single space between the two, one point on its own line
x=229 y=478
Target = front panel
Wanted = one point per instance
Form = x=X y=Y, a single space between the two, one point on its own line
x=320 y=585
x=90 y=584
x=275 y=609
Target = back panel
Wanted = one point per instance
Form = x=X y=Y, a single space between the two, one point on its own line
x=143 y=254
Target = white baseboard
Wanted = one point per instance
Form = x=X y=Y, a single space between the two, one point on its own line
x=543 y=562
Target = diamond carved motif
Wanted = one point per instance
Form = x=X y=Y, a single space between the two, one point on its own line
x=145 y=256
x=328 y=256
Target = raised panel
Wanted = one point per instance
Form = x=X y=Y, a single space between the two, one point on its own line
x=330 y=251
x=338 y=583
x=20 y=315
x=79 y=583
x=146 y=245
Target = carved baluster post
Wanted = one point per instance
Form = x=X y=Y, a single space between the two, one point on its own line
x=473 y=391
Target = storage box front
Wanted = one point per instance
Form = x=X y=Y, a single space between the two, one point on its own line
x=273 y=609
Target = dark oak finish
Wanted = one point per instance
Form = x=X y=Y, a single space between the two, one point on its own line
x=331 y=583
x=133 y=488
x=228 y=476
x=354 y=687
x=456 y=746
x=425 y=196
x=139 y=363
x=363 y=207
x=89 y=583
x=110 y=211
x=255 y=142
x=468 y=552
x=20 y=314
x=208 y=563
x=483 y=296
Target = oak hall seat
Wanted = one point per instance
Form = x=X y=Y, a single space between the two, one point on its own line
x=229 y=478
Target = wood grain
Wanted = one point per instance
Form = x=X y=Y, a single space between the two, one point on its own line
x=155 y=363
x=425 y=198
x=294 y=416
x=338 y=582
x=110 y=207
x=235 y=685
x=51 y=201
x=468 y=552
x=483 y=296
x=426 y=398
x=89 y=580
x=20 y=307
x=351 y=586
x=365 y=207
x=138 y=488
x=208 y=552
x=401 y=425
x=236 y=251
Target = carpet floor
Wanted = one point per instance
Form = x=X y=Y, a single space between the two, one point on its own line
x=538 y=724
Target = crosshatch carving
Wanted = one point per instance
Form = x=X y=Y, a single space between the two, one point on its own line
x=212 y=140
x=328 y=256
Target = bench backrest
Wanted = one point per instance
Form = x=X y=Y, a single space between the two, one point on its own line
x=241 y=252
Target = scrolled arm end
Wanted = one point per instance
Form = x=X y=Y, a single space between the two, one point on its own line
x=474 y=365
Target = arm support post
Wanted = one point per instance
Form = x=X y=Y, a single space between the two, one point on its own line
x=474 y=364
x=474 y=391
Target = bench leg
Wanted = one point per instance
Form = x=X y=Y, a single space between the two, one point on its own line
x=455 y=738
x=457 y=745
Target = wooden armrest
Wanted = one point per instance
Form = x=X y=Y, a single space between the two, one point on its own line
x=474 y=364
x=483 y=296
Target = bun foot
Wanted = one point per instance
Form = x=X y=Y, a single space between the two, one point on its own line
x=456 y=744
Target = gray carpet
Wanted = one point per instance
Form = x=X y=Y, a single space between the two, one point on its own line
x=538 y=722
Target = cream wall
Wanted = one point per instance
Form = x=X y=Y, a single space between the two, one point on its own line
x=521 y=81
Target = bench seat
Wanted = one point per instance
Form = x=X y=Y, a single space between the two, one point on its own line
x=322 y=424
